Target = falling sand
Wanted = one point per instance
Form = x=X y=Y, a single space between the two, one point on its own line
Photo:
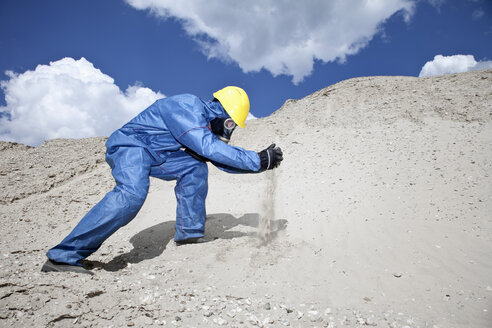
x=265 y=225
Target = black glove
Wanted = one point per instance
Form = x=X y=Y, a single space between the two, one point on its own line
x=270 y=158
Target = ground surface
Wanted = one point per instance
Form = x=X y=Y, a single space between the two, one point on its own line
x=380 y=215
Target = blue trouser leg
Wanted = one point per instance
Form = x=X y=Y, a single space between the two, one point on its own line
x=130 y=168
x=191 y=191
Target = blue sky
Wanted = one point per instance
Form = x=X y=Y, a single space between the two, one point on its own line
x=160 y=49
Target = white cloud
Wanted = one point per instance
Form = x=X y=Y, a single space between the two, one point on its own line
x=250 y=117
x=477 y=14
x=283 y=37
x=453 y=64
x=437 y=3
x=67 y=99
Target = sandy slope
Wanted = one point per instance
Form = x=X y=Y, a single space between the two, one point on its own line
x=381 y=215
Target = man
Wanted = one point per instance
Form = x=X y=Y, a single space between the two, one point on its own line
x=172 y=140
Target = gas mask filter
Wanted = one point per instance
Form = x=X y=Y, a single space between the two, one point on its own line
x=223 y=128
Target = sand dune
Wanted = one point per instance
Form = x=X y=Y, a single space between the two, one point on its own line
x=380 y=215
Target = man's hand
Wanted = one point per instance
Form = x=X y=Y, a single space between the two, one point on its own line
x=270 y=158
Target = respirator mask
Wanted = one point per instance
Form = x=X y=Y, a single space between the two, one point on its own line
x=223 y=128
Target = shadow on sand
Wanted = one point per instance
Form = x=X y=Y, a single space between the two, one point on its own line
x=151 y=242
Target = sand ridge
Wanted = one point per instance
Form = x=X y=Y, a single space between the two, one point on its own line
x=381 y=217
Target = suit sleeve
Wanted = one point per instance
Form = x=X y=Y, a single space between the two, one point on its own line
x=230 y=169
x=188 y=125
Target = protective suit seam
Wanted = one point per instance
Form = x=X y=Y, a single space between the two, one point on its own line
x=196 y=127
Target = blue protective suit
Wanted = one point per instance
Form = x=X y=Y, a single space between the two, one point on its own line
x=151 y=144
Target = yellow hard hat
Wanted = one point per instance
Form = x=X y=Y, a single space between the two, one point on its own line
x=236 y=103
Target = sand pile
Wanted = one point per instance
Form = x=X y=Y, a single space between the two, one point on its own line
x=381 y=216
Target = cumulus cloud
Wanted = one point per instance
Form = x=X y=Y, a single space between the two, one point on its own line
x=283 y=37
x=67 y=99
x=453 y=64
